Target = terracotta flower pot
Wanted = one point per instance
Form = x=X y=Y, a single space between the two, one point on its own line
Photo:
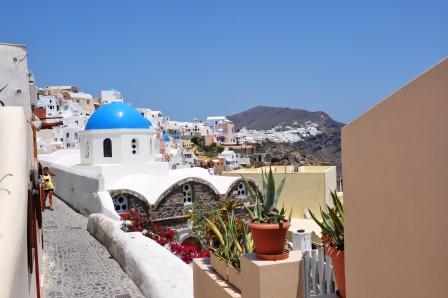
x=269 y=239
x=338 y=260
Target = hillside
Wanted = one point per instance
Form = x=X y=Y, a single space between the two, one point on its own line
x=262 y=117
x=324 y=148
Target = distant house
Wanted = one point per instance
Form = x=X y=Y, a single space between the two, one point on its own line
x=108 y=96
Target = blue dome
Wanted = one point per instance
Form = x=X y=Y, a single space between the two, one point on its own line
x=166 y=137
x=117 y=115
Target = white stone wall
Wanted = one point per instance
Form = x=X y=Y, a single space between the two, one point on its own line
x=154 y=269
x=77 y=187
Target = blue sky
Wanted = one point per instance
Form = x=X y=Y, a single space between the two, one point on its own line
x=198 y=58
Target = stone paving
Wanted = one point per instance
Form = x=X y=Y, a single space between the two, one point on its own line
x=75 y=264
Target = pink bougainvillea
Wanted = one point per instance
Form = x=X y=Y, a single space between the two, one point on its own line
x=134 y=221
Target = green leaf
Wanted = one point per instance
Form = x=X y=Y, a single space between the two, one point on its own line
x=279 y=191
x=215 y=231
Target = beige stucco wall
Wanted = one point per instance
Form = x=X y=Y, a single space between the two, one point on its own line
x=395 y=169
x=15 y=280
x=308 y=188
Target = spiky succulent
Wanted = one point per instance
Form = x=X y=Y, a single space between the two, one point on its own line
x=332 y=223
x=266 y=211
x=232 y=236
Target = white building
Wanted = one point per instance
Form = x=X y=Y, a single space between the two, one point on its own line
x=108 y=96
x=50 y=104
x=231 y=160
x=214 y=121
x=157 y=118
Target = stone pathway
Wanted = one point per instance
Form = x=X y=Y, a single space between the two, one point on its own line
x=75 y=264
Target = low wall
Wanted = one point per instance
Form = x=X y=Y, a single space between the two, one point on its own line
x=155 y=270
x=77 y=188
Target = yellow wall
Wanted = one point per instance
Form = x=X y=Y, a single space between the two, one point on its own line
x=308 y=188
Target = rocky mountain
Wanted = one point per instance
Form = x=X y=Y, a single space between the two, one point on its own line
x=322 y=149
x=262 y=117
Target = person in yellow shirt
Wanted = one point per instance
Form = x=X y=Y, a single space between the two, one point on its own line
x=48 y=184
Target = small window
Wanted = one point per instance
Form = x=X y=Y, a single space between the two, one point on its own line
x=241 y=189
x=121 y=204
x=67 y=134
x=187 y=192
x=107 y=147
x=134 y=146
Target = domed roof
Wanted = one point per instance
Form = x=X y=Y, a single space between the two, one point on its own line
x=166 y=137
x=117 y=115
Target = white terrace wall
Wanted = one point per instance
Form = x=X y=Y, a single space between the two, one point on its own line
x=395 y=168
x=77 y=187
x=154 y=269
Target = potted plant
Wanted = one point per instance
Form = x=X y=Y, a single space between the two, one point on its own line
x=268 y=224
x=230 y=240
x=332 y=225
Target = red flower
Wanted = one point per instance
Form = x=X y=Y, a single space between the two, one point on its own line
x=162 y=235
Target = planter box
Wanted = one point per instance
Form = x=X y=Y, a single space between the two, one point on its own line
x=219 y=266
x=226 y=271
x=208 y=284
x=234 y=277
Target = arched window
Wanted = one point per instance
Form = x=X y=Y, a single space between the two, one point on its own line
x=187 y=194
x=107 y=148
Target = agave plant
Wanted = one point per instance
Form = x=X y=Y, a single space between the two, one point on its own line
x=266 y=211
x=232 y=236
x=332 y=223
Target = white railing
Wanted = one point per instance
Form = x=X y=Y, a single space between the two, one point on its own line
x=318 y=276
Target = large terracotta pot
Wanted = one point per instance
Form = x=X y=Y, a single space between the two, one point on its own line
x=338 y=260
x=269 y=239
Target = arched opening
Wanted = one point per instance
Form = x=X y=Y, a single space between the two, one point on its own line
x=107 y=148
x=192 y=241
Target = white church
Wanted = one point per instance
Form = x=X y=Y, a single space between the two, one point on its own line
x=119 y=166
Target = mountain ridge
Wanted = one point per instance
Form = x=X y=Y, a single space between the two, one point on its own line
x=265 y=117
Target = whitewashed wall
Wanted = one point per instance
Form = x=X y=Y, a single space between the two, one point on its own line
x=14 y=77
x=15 y=279
x=77 y=187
